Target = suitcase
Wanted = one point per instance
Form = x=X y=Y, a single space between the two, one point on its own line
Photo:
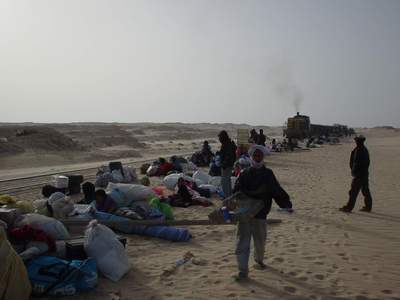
x=74 y=248
x=74 y=184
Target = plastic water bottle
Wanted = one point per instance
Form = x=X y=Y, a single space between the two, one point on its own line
x=226 y=214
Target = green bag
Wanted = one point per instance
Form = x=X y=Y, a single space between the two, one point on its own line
x=165 y=208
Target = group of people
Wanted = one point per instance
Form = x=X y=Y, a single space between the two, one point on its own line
x=259 y=182
x=257 y=138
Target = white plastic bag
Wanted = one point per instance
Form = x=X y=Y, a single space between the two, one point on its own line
x=102 y=244
x=62 y=205
x=129 y=175
x=128 y=193
x=215 y=181
x=117 y=176
x=201 y=177
x=52 y=227
x=171 y=180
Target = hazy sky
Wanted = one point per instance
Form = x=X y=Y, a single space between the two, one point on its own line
x=200 y=61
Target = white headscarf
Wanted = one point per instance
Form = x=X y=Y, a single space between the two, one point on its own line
x=264 y=150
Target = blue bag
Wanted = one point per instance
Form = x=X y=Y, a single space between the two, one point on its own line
x=53 y=276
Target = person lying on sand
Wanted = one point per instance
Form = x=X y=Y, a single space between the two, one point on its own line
x=257 y=183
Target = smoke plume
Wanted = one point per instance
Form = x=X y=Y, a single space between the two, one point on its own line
x=285 y=88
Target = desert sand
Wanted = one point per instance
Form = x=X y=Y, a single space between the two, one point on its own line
x=315 y=253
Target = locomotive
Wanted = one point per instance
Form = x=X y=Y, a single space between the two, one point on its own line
x=299 y=127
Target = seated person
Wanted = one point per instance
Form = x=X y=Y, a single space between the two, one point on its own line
x=206 y=153
x=88 y=190
x=104 y=203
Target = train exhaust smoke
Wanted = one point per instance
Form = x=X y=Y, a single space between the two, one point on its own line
x=285 y=89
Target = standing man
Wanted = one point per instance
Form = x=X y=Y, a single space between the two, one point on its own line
x=359 y=164
x=228 y=157
x=261 y=138
x=258 y=184
x=253 y=136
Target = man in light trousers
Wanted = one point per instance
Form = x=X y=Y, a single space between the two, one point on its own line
x=259 y=185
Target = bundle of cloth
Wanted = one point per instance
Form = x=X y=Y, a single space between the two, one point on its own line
x=104 y=176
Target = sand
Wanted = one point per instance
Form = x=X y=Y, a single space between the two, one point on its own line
x=315 y=253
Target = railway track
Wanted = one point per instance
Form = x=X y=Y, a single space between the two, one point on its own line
x=29 y=184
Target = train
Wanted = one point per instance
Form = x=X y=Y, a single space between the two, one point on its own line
x=300 y=127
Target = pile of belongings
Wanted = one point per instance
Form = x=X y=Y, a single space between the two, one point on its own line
x=66 y=184
x=42 y=255
x=187 y=193
x=201 y=182
x=115 y=173
x=134 y=202
x=35 y=263
x=162 y=167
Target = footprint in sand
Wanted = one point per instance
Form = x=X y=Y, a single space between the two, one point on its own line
x=303 y=278
x=386 y=292
x=290 y=289
x=319 y=276
x=231 y=295
x=320 y=263
x=217 y=281
x=292 y=274
x=279 y=259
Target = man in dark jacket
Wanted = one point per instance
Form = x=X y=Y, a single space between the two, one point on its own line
x=228 y=158
x=261 y=138
x=258 y=183
x=359 y=164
